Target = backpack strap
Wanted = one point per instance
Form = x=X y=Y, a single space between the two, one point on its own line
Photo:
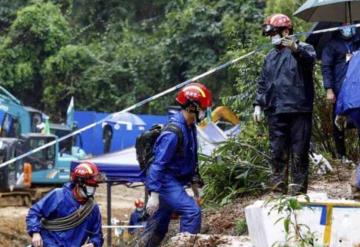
x=177 y=130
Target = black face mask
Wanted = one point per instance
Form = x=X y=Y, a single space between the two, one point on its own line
x=88 y=191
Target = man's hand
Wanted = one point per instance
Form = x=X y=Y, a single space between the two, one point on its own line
x=153 y=203
x=290 y=43
x=36 y=240
x=340 y=122
x=257 y=114
x=330 y=96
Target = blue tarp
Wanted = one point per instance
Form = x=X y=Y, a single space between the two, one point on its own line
x=120 y=166
x=122 y=138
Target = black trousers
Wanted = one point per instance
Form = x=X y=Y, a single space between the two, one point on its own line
x=290 y=135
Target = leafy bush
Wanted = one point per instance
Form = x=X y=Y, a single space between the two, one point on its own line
x=239 y=166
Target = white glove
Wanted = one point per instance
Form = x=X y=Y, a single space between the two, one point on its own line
x=153 y=203
x=36 y=240
x=340 y=122
x=257 y=114
x=88 y=245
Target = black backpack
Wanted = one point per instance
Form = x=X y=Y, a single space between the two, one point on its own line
x=145 y=142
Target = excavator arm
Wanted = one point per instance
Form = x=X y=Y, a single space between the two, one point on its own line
x=224 y=113
x=18 y=119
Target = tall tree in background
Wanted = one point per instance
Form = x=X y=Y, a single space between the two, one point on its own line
x=38 y=32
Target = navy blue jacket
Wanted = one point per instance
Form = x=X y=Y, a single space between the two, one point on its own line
x=286 y=82
x=60 y=203
x=170 y=164
x=334 y=65
x=136 y=218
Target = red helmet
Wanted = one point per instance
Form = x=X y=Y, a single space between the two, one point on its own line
x=139 y=203
x=195 y=93
x=274 y=23
x=86 y=173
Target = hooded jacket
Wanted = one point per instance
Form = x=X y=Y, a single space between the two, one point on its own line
x=334 y=64
x=286 y=80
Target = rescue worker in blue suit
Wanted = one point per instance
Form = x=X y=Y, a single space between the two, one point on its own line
x=171 y=170
x=138 y=216
x=62 y=202
x=335 y=60
x=285 y=92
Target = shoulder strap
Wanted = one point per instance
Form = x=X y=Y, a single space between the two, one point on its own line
x=177 y=130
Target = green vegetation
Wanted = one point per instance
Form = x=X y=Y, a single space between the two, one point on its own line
x=111 y=54
x=296 y=234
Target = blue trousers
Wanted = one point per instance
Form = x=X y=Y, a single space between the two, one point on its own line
x=173 y=198
x=355 y=117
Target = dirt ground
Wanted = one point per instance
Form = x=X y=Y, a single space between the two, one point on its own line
x=215 y=220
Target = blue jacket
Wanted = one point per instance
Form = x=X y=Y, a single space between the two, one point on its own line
x=59 y=203
x=286 y=82
x=169 y=164
x=334 y=65
x=349 y=96
x=136 y=218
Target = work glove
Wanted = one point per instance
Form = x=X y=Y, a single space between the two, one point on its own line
x=257 y=114
x=36 y=240
x=153 y=203
x=340 y=122
x=290 y=43
x=88 y=245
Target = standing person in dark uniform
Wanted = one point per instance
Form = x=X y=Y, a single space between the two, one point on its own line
x=285 y=92
x=335 y=60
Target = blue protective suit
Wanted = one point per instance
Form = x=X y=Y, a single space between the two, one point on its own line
x=60 y=203
x=168 y=174
x=136 y=218
x=348 y=102
x=334 y=64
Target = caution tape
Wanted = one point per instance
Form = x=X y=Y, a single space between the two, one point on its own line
x=123 y=227
x=178 y=86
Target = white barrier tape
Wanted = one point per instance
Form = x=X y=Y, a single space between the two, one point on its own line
x=124 y=227
x=326 y=30
x=131 y=107
x=194 y=79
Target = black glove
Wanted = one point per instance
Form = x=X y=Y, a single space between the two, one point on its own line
x=197 y=180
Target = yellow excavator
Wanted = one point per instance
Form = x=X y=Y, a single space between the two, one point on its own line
x=222 y=113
